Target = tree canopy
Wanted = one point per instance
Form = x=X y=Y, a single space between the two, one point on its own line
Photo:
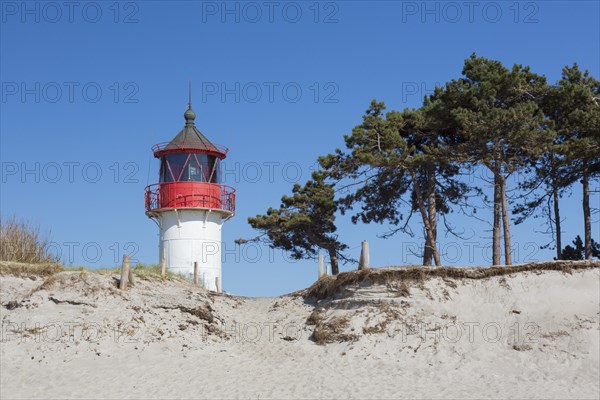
x=398 y=164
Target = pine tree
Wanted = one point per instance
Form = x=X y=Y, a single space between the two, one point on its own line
x=304 y=223
x=578 y=98
x=578 y=252
x=495 y=111
x=547 y=176
x=393 y=161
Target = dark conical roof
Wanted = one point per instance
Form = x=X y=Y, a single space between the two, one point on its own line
x=190 y=138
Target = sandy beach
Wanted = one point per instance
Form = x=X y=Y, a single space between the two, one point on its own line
x=531 y=334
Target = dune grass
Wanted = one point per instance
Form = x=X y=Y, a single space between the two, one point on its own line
x=24 y=253
x=153 y=272
x=27 y=270
x=22 y=242
x=328 y=286
x=142 y=271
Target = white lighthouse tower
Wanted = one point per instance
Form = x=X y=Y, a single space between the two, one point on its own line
x=190 y=204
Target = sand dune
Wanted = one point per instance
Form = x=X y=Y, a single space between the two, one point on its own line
x=530 y=334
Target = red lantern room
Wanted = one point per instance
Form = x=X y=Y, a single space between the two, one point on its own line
x=190 y=173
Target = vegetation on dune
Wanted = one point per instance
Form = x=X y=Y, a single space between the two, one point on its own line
x=140 y=270
x=22 y=242
x=327 y=287
x=26 y=270
x=24 y=253
x=153 y=272
x=44 y=270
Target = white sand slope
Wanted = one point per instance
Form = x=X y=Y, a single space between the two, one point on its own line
x=525 y=335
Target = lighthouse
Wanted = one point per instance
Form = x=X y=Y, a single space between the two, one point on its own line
x=190 y=203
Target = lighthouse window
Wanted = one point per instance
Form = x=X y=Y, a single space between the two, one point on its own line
x=194 y=167
x=162 y=170
x=174 y=167
x=193 y=171
x=209 y=166
x=216 y=178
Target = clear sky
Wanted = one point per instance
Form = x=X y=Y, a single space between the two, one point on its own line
x=89 y=87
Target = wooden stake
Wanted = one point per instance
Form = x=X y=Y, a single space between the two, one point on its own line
x=196 y=273
x=124 y=273
x=364 y=262
x=321 y=266
x=127 y=259
x=163 y=262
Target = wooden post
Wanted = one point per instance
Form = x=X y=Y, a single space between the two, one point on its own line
x=218 y=284
x=127 y=259
x=124 y=273
x=321 y=266
x=196 y=273
x=163 y=262
x=364 y=262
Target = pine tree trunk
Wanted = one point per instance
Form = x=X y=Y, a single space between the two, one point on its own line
x=587 y=220
x=556 y=219
x=427 y=253
x=433 y=224
x=429 y=232
x=496 y=228
x=505 y=222
x=431 y=211
x=333 y=258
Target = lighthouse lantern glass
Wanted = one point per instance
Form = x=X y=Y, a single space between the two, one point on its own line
x=190 y=167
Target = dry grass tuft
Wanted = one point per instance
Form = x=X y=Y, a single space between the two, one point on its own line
x=23 y=270
x=22 y=242
x=400 y=289
x=66 y=280
x=390 y=313
x=203 y=311
x=522 y=347
x=332 y=330
x=215 y=330
x=316 y=317
x=554 y=335
x=327 y=287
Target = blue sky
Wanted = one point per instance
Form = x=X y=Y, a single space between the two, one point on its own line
x=88 y=88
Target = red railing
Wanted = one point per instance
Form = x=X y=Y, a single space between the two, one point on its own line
x=162 y=147
x=190 y=195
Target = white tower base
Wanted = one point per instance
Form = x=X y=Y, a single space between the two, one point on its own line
x=192 y=235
